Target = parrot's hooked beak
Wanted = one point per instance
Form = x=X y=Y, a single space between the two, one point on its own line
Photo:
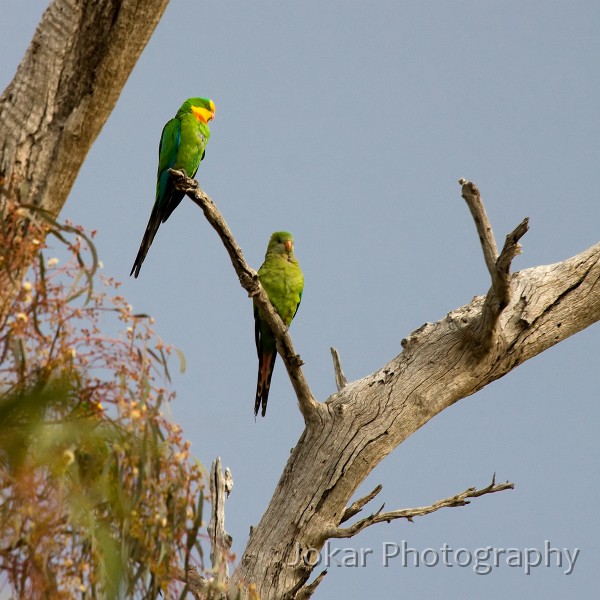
x=289 y=245
x=202 y=114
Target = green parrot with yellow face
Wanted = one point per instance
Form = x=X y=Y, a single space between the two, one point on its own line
x=283 y=281
x=182 y=146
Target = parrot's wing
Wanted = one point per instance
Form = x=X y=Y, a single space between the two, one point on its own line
x=170 y=140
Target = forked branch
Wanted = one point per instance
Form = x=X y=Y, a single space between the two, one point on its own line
x=409 y=513
x=358 y=505
x=250 y=282
x=498 y=296
x=302 y=590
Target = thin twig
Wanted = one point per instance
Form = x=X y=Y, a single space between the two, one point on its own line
x=196 y=584
x=410 y=513
x=511 y=249
x=358 y=505
x=308 y=590
x=340 y=378
x=249 y=281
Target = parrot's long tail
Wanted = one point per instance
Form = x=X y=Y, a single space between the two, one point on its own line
x=151 y=229
x=266 y=362
x=161 y=211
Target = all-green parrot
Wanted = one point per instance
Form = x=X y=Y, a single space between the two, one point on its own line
x=282 y=279
x=182 y=146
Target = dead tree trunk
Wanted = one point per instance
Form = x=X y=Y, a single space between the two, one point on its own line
x=360 y=425
x=351 y=432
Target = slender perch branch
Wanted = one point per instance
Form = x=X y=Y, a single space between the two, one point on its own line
x=410 y=513
x=498 y=296
x=247 y=276
x=250 y=282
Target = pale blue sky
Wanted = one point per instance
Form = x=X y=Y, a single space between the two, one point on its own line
x=349 y=123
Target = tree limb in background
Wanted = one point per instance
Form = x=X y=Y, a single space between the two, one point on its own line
x=58 y=101
x=220 y=540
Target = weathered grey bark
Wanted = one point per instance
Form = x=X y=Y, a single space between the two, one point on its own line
x=64 y=90
x=220 y=541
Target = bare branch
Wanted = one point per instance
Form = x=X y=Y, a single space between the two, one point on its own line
x=498 y=296
x=308 y=590
x=340 y=378
x=511 y=249
x=250 y=282
x=247 y=276
x=197 y=585
x=471 y=195
x=302 y=591
x=409 y=513
x=220 y=540
x=357 y=506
